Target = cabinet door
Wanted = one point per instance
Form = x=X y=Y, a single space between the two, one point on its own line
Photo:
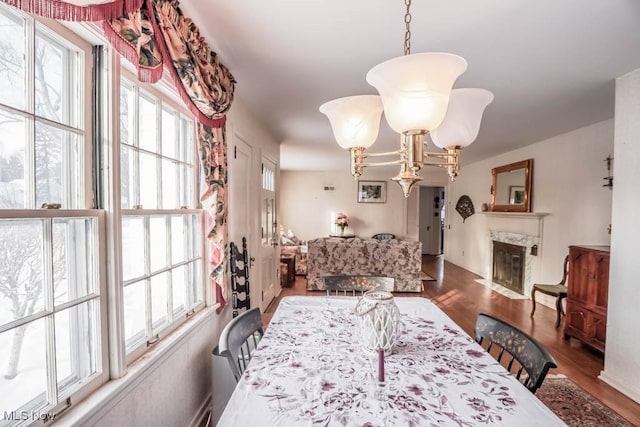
x=601 y=274
x=598 y=331
x=580 y=276
x=575 y=321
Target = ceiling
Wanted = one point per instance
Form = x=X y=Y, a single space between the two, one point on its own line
x=550 y=64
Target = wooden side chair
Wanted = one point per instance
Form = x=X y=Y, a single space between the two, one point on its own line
x=517 y=351
x=558 y=290
x=356 y=285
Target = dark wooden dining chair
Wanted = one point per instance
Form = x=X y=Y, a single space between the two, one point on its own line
x=523 y=356
x=559 y=291
x=356 y=285
x=239 y=338
x=383 y=236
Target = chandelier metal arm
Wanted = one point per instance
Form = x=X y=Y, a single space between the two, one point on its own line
x=358 y=156
x=392 y=162
x=388 y=153
x=452 y=163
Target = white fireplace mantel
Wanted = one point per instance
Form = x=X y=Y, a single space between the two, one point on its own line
x=524 y=215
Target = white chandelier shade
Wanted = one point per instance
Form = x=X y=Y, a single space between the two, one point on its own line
x=462 y=122
x=355 y=120
x=415 y=89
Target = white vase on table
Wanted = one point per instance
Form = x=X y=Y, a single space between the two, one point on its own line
x=377 y=320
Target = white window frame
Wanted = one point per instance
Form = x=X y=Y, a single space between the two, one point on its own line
x=84 y=197
x=163 y=95
x=114 y=359
x=101 y=376
x=62 y=36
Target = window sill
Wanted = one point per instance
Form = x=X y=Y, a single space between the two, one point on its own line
x=108 y=395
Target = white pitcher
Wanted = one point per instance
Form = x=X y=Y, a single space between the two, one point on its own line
x=377 y=320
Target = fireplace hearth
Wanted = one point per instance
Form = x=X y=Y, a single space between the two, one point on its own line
x=509 y=265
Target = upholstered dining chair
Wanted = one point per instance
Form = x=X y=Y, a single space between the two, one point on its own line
x=517 y=351
x=356 y=285
x=239 y=338
x=559 y=290
x=383 y=236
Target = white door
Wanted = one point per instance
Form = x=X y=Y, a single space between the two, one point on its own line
x=430 y=221
x=240 y=204
x=269 y=233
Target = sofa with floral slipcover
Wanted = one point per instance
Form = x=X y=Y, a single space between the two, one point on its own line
x=331 y=256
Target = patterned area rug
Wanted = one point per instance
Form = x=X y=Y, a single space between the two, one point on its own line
x=425 y=276
x=575 y=406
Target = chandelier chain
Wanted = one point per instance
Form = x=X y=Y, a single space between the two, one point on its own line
x=407 y=25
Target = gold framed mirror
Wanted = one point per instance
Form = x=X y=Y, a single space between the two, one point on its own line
x=511 y=187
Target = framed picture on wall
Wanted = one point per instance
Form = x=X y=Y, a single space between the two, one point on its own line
x=516 y=195
x=372 y=191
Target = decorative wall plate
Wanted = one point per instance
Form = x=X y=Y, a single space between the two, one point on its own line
x=465 y=207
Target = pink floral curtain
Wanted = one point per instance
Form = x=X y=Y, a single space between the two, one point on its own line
x=155 y=35
x=213 y=156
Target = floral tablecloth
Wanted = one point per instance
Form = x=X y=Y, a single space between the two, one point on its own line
x=310 y=370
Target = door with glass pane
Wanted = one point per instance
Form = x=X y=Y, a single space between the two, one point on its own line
x=269 y=233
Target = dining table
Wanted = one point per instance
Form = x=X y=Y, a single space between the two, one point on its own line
x=310 y=369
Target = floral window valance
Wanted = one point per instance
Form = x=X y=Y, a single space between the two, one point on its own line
x=159 y=32
x=154 y=34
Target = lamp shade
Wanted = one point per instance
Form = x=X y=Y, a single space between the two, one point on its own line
x=415 y=88
x=355 y=120
x=462 y=122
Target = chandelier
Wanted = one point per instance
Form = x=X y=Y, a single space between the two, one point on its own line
x=417 y=97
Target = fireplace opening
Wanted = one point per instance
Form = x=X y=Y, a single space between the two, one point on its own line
x=509 y=265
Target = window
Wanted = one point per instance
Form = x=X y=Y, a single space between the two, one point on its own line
x=162 y=243
x=268 y=209
x=42 y=116
x=268 y=178
x=54 y=336
x=51 y=326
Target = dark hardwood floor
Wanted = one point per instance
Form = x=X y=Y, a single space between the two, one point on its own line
x=458 y=295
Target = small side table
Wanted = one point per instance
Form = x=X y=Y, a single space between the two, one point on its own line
x=343 y=236
x=290 y=262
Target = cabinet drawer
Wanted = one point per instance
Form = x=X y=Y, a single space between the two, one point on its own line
x=585 y=325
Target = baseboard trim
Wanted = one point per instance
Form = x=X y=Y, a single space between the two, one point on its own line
x=202 y=414
x=631 y=394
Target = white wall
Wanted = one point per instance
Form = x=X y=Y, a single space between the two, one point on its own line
x=167 y=387
x=622 y=358
x=567 y=183
x=308 y=210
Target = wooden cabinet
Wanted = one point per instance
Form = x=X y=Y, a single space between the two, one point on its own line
x=588 y=290
x=288 y=275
